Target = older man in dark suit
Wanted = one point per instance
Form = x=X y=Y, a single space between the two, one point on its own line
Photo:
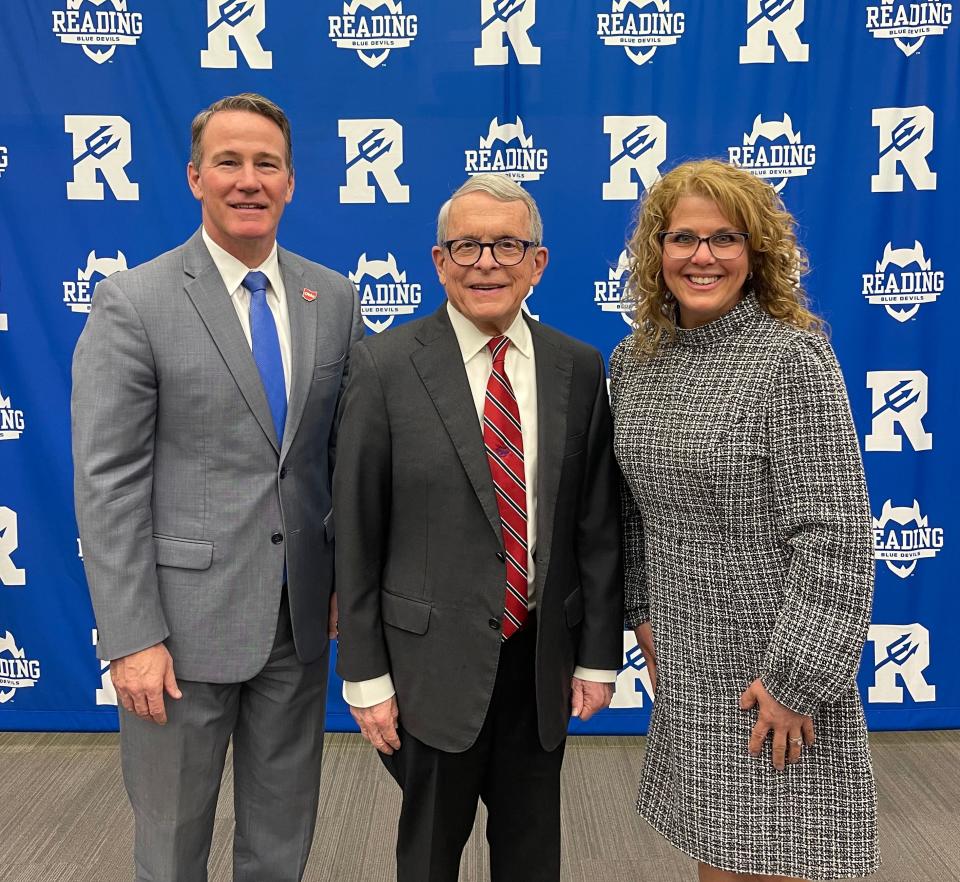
x=478 y=560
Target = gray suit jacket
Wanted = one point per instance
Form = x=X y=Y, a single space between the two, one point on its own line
x=188 y=508
x=420 y=572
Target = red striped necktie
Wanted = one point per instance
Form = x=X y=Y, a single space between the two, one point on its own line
x=504 y=442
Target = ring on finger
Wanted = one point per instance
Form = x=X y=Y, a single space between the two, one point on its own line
x=798 y=741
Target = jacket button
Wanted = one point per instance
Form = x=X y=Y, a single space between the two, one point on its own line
x=494 y=624
x=276 y=538
x=500 y=557
x=283 y=472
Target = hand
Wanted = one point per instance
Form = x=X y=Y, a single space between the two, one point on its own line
x=644 y=634
x=791 y=731
x=378 y=724
x=332 y=618
x=141 y=678
x=587 y=697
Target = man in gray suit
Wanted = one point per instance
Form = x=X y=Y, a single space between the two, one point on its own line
x=478 y=564
x=205 y=387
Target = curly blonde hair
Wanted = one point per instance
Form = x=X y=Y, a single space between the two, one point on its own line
x=776 y=260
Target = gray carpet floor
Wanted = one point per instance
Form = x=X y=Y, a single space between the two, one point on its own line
x=64 y=816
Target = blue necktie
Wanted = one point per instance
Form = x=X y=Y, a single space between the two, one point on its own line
x=266 y=349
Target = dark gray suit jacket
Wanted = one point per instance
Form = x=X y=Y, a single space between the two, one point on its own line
x=187 y=506
x=419 y=552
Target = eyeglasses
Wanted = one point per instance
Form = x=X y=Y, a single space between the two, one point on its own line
x=506 y=252
x=723 y=246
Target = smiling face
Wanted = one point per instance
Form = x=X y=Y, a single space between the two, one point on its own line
x=705 y=288
x=243 y=183
x=488 y=294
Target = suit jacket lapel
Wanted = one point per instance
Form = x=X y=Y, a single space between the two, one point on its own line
x=554 y=372
x=206 y=290
x=303 y=340
x=440 y=365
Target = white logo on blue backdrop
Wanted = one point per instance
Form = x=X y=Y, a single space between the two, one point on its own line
x=774 y=151
x=609 y=293
x=502 y=21
x=384 y=291
x=906 y=138
x=77 y=295
x=777 y=19
x=101 y=147
x=371 y=33
x=902 y=536
x=898 y=400
x=11 y=420
x=106 y=693
x=900 y=652
x=4 y=159
x=97 y=30
x=507 y=149
x=904 y=279
x=240 y=21
x=11 y=575
x=633 y=679
x=638 y=146
x=374 y=147
x=640 y=27
x=16 y=670
x=908 y=24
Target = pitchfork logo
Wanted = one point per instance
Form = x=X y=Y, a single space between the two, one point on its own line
x=898 y=400
x=10 y=574
x=633 y=678
x=374 y=147
x=902 y=536
x=778 y=19
x=77 y=295
x=904 y=279
x=16 y=670
x=384 y=292
x=906 y=139
x=774 y=151
x=101 y=147
x=908 y=24
x=639 y=29
x=900 y=652
x=507 y=149
x=638 y=146
x=610 y=294
x=372 y=33
x=96 y=30
x=502 y=20
x=240 y=21
x=11 y=420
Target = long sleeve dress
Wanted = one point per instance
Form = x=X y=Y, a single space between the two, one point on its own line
x=748 y=548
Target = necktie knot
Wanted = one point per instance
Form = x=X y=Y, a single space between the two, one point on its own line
x=498 y=349
x=255 y=281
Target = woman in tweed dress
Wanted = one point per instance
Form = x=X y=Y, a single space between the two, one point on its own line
x=747 y=540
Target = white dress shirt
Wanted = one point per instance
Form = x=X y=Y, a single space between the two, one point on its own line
x=233 y=272
x=521 y=369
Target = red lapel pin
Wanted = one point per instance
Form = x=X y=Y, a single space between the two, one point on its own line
x=309 y=295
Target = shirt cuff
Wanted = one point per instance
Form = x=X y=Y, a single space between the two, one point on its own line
x=367 y=693
x=595 y=675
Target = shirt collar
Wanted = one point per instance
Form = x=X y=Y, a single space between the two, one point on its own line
x=471 y=339
x=234 y=271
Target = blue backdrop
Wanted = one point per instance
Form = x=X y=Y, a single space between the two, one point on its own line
x=849 y=109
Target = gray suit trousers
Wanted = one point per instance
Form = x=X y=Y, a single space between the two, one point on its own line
x=172 y=773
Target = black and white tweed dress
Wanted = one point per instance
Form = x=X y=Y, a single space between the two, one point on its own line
x=748 y=547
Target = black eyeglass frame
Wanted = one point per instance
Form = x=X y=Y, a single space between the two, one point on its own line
x=527 y=245
x=744 y=238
